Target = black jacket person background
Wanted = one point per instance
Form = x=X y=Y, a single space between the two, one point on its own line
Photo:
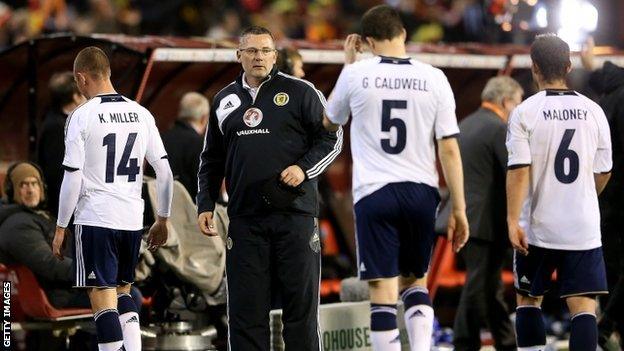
x=609 y=83
x=273 y=230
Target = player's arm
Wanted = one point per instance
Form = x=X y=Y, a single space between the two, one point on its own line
x=450 y=158
x=603 y=159
x=326 y=145
x=601 y=180
x=156 y=156
x=517 y=189
x=73 y=162
x=518 y=178
x=446 y=130
x=337 y=112
x=210 y=174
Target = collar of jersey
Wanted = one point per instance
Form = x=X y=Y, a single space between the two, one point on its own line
x=103 y=95
x=392 y=58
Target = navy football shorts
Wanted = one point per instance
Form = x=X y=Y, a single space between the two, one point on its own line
x=578 y=272
x=105 y=257
x=395 y=230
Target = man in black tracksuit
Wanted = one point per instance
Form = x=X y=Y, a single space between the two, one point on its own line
x=266 y=139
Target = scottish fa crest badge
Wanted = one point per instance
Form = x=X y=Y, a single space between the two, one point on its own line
x=280 y=99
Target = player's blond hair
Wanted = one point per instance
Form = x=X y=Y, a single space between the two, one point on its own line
x=94 y=62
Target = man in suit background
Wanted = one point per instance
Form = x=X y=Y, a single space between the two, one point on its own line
x=484 y=158
x=184 y=142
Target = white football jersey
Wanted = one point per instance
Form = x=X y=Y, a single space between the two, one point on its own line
x=399 y=106
x=108 y=137
x=565 y=138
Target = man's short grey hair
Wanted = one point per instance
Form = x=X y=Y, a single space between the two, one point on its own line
x=500 y=87
x=193 y=106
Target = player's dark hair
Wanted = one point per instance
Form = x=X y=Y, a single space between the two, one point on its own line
x=62 y=88
x=93 y=60
x=552 y=56
x=286 y=58
x=381 y=22
x=256 y=30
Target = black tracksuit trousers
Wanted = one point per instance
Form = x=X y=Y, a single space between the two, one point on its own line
x=287 y=248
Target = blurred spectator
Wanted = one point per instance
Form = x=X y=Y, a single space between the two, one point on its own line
x=321 y=22
x=314 y=20
x=608 y=82
x=289 y=61
x=26 y=233
x=228 y=26
x=184 y=142
x=64 y=98
x=484 y=158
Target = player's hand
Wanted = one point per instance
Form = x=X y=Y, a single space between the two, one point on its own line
x=587 y=53
x=206 y=224
x=457 y=231
x=518 y=239
x=158 y=234
x=58 y=244
x=292 y=176
x=352 y=45
x=329 y=125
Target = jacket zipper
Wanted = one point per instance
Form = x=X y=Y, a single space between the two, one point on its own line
x=253 y=100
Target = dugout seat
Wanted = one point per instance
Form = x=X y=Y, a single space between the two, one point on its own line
x=6 y=274
x=443 y=271
x=34 y=302
x=330 y=247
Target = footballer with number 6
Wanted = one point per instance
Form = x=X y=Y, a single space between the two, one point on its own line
x=107 y=140
x=559 y=147
x=400 y=107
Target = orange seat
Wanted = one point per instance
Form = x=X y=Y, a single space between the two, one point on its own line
x=330 y=287
x=7 y=275
x=328 y=237
x=34 y=301
x=444 y=273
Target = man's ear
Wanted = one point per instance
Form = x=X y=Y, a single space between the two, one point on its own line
x=82 y=78
x=238 y=56
x=535 y=69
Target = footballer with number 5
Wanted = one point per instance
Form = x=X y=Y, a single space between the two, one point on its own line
x=559 y=147
x=107 y=140
x=401 y=108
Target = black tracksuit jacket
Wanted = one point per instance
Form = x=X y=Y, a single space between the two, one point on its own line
x=250 y=141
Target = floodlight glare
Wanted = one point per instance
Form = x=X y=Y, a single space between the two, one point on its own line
x=541 y=17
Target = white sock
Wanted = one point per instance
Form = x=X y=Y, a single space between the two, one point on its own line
x=111 y=346
x=131 y=330
x=386 y=340
x=419 y=325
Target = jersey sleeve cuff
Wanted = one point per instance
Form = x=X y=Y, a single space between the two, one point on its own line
x=70 y=168
x=450 y=136
x=517 y=165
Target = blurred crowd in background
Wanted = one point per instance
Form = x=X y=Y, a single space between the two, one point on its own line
x=432 y=21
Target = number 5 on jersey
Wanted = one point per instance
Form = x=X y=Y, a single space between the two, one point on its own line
x=127 y=166
x=387 y=123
